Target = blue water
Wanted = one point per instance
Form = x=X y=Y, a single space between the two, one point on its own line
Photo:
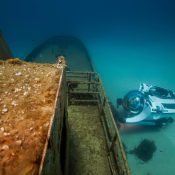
x=129 y=42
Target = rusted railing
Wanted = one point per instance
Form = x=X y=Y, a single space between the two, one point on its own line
x=86 y=87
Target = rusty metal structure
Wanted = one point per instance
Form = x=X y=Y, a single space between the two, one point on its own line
x=54 y=158
x=83 y=136
x=33 y=118
x=85 y=88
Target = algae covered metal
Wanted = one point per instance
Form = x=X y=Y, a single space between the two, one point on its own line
x=32 y=118
x=95 y=144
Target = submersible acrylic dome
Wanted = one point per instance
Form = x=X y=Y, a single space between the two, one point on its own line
x=133 y=102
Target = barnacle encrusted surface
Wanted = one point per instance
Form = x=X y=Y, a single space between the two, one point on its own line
x=27 y=96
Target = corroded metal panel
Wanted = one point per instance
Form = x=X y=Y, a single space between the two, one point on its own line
x=32 y=118
x=51 y=160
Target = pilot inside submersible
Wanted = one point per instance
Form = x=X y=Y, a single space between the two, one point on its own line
x=149 y=104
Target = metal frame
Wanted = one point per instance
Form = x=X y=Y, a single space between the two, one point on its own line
x=90 y=84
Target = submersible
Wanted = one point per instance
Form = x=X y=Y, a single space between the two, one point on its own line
x=148 y=104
